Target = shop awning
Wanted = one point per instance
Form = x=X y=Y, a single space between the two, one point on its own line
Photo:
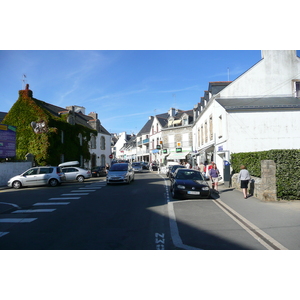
x=181 y=155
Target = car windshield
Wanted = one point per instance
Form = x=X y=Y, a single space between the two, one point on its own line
x=189 y=175
x=119 y=167
x=136 y=164
x=176 y=167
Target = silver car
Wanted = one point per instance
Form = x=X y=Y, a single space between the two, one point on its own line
x=137 y=167
x=76 y=173
x=120 y=173
x=52 y=176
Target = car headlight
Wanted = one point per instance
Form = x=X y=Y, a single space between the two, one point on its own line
x=205 y=188
x=181 y=187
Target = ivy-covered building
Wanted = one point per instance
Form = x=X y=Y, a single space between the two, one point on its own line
x=54 y=134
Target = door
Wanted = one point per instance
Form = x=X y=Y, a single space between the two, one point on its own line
x=30 y=177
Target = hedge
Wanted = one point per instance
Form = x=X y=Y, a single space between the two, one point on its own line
x=287 y=169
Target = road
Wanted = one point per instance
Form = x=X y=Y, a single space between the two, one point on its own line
x=138 y=216
x=90 y=215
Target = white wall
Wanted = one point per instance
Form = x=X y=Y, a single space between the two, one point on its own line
x=260 y=131
x=11 y=169
x=272 y=75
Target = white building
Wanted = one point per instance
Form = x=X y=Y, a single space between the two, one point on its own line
x=260 y=110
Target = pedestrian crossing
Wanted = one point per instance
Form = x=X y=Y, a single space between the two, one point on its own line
x=41 y=207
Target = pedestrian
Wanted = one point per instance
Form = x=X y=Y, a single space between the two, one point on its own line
x=196 y=167
x=244 y=178
x=187 y=165
x=214 y=176
x=107 y=168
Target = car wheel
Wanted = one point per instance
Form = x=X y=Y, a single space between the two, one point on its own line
x=80 y=178
x=53 y=182
x=16 y=184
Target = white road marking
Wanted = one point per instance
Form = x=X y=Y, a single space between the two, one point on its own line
x=51 y=203
x=3 y=233
x=65 y=198
x=177 y=241
x=75 y=194
x=15 y=220
x=87 y=190
x=11 y=204
x=23 y=211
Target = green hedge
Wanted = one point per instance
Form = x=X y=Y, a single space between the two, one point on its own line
x=287 y=169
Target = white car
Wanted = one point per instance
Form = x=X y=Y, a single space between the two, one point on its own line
x=52 y=176
x=120 y=173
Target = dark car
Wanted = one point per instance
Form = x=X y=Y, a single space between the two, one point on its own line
x=173 y=169
x=98 y=171
x=154 y=167
x=188 y=183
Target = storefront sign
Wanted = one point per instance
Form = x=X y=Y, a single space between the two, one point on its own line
x=7 y=141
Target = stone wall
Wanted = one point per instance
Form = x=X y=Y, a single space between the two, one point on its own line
x=263 y=188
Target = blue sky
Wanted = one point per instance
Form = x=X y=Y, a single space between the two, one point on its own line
x=123 y=87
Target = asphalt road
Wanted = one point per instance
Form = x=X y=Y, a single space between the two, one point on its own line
x=90 y=215
x=142 y=216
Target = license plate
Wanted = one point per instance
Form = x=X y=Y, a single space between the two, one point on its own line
x=193 y=193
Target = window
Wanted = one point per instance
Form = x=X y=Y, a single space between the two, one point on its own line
x=102 y=143
x=297 y=89
x=220 y=126
x=211 y=133
x=205 y=132
x=202 y=135
x=103 y=162
x=80 y=139
x=93 y=142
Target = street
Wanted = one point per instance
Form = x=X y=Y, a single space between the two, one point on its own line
x=141 y=216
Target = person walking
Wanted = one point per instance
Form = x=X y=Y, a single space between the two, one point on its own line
x=244 y=177
x=214 y=176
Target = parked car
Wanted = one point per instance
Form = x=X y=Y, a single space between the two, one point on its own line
x=137 y=167
x=98 y=171
x=145 y=165
x=174 y=168
x=76 y=173
x=50 y=175
x=154 y=167
x=73 y=172
x=188 y=183
x=120 y=173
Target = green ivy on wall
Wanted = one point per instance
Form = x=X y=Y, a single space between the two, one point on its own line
x=46 y=147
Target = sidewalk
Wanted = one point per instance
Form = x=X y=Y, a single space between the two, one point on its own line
x=280 y=219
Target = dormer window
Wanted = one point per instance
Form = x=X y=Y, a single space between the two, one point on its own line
x=170 y=122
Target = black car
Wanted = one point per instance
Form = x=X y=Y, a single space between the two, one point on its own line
x=174 y=168
x=99 y=171
x=188 y=183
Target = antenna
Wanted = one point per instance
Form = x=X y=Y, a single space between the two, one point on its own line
x=23 y=81
x=227 y=74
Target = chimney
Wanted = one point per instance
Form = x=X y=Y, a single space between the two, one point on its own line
x=27 y=92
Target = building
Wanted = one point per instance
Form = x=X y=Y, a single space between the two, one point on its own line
x=54 y=134
x=260 y=110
